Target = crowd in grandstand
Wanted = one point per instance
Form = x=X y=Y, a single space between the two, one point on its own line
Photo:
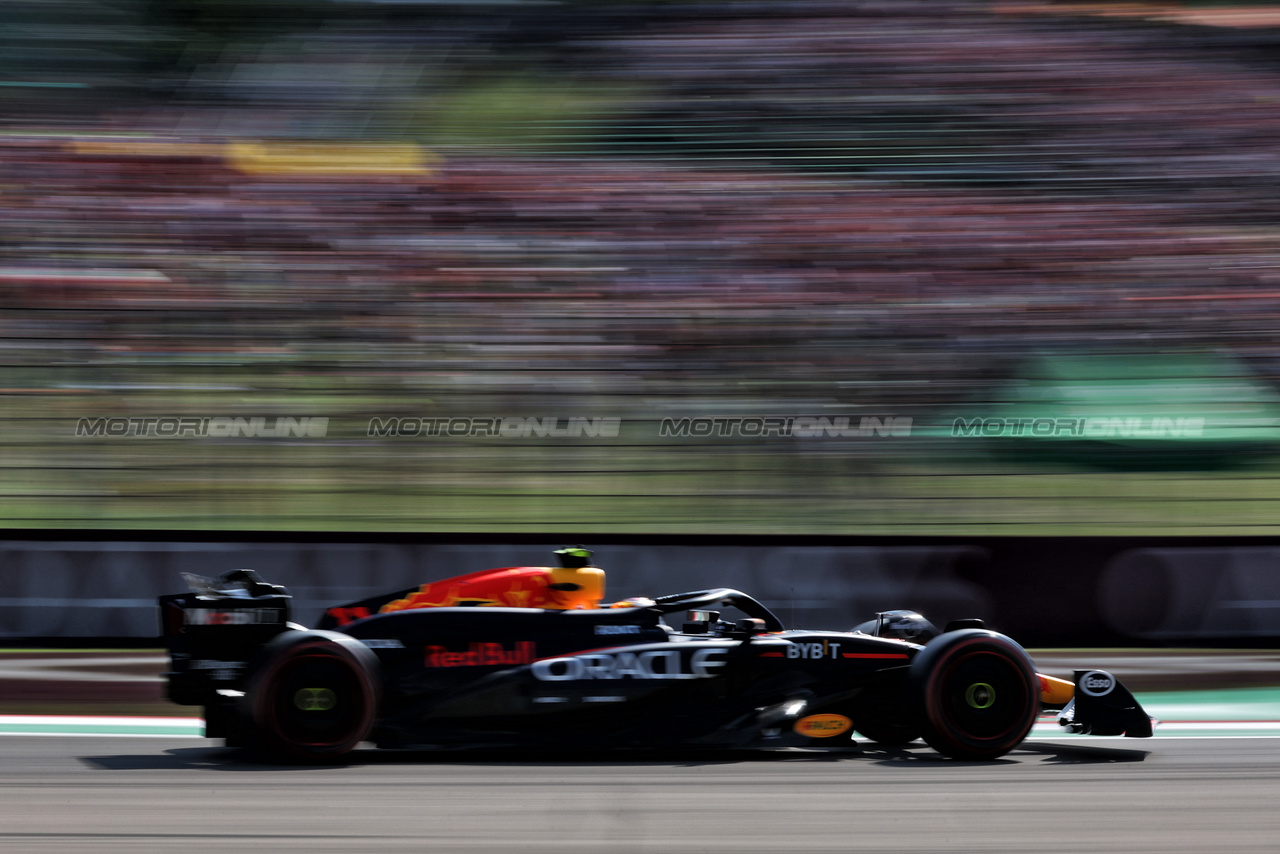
x=1115 y=188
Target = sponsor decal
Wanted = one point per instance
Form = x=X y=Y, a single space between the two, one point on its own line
x=823 y=649
x=1097 y=683
x=650 y=664
x=617 y=630
x=481 y=655
x=232 y=617
x=813 y=651
x=823 y=726
x=382 y=643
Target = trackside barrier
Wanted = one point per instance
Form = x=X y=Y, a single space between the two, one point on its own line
x=108 y=589
x=1100 y=591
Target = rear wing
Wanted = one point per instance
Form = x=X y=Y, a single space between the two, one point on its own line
x=213 y=632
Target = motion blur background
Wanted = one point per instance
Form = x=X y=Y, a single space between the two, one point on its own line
x=1024 y=258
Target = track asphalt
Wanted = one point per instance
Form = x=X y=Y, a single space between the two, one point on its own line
x=150 y=783
x=1116 y=796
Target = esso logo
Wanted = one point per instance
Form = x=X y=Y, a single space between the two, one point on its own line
x=823 y=726
x=1097 y=683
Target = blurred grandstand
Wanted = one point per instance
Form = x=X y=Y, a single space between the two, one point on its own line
x=648 y=212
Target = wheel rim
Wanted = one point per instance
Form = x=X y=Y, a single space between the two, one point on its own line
x=980 y=695
x=318 y=701
x=985 y=695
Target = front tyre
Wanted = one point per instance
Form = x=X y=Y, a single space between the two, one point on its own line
x=314 y=697
x=977 y=692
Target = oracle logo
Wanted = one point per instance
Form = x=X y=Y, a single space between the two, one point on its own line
x=651 y=664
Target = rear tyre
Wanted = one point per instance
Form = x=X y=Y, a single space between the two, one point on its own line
x=977 y=692
x=315 y=696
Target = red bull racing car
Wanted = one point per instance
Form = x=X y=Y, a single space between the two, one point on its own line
x=527 y=657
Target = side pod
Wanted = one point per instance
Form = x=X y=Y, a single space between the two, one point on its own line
x=1102 y=706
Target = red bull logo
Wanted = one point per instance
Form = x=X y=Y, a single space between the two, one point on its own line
x=823 y=726
x=482 y=655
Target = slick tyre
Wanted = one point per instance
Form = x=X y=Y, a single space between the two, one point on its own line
x=314 y=696
x=977 y=692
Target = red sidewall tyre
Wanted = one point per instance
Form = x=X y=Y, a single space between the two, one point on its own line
x=315 y=696
x=978 y=694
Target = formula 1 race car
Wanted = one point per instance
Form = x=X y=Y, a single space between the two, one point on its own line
x=527 y=657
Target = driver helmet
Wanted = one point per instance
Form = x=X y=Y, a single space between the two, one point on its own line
x=903 y=625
